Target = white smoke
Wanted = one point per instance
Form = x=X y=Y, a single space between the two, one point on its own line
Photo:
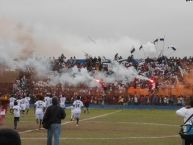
x=149 y=50
x=76 y=76
x=23 y=47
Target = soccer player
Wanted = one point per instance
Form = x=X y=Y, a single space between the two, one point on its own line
x=48 y=100
x=77 y=104
x=2 y=114
x=27 y=102
x=23 y=104
x=72 y=112
x=86 y=103
x=16 y=112
x=39 y=110
x=11 y=103
x=62 y=101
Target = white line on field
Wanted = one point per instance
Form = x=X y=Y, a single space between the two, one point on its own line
x=27 y=131
x=140 y=123
x=107 y=138
x=158 y=124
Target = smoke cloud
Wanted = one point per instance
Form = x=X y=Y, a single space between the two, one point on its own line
x=23 y=47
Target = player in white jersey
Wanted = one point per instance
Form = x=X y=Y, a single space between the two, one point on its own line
x=23 y=105
x=39 y=110
x=72 y=112
x=48 y=100
x=62 y=101
x=18 y=99
x=27 y=102
x=11 y=103
x=77 y=104
x=16 y=112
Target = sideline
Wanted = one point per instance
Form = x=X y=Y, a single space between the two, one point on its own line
x=68 y=122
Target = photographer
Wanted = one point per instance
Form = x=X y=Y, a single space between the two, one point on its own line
x=186 y=112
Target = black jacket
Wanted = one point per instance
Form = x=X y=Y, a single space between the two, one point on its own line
x=54 y=114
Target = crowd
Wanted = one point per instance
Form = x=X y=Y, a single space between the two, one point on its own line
x=166 y=73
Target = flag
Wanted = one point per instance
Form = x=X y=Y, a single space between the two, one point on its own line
x=116 y=56
x=140 y=47
x=156 y=40
x=161 y=39
x=87 y=55
x=133 y=50
x=173 y=48
x=91 y=39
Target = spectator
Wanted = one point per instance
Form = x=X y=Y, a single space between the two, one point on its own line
x=54 y=114
x=9 y=137
x=186 y=112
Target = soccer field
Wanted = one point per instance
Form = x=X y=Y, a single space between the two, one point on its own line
x=107 y=127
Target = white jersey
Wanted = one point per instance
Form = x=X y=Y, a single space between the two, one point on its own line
x=16 y=110
x=11 y=102
x=18 y=102
x=77 y=105
x=40 y=105
x=48 y=101
x=23 y=104
x=27 y=100
x=62 y=102
x=185 y=113
x=72 y=111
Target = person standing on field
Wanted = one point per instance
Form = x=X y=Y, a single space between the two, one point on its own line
x=39 y=110
x=62 y=101
x=11 y=103
x=77 y=104
x=186 y=113
x=54 y=114
x=16 y=112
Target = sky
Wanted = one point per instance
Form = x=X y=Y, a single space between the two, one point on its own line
x=96 y=27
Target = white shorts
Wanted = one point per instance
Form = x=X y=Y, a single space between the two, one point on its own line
x=23 y=107
x=39 y=116
x=62 y=105
x=11 y=105
x=27 y=106
x=76 y=114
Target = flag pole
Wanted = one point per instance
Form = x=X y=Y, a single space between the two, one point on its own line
x=162 y=50
x=144 y=53
x=155 y=42
x=163 y=46
x=169 y=55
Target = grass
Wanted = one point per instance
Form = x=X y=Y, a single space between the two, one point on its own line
x=107 y=127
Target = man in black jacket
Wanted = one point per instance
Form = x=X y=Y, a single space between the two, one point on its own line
x=54 y=114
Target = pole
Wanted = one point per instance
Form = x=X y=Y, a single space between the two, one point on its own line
x=144 y=53
x=163 y=46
